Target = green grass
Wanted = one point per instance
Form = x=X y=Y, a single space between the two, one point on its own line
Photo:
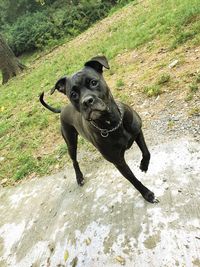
x=27 y=129
x=193 y=87
x=153 y=90
x=120 y=83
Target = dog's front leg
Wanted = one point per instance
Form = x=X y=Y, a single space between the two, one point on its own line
x=127 y=173
x=70 y=136
x=145 y=152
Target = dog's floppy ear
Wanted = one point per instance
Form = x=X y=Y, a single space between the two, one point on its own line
x=60 y=85
x=98 y=63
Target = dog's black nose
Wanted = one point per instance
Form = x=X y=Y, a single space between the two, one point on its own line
x=88 y=101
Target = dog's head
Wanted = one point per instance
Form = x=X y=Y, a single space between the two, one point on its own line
x=87 y=89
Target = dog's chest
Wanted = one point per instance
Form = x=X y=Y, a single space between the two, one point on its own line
x=123 y=140
x=114 y=143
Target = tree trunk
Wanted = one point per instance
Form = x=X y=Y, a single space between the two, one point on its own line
x=9 y=64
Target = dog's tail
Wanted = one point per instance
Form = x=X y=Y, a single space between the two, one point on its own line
x=55 y=110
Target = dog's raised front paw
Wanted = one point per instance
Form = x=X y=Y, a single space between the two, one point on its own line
x=81 y=182
x=144 y=165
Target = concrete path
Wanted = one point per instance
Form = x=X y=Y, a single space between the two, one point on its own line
x=52 y=222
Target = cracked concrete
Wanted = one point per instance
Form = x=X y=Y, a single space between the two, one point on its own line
x=53 y=222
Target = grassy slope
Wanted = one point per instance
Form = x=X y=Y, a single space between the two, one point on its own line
x=29 y=135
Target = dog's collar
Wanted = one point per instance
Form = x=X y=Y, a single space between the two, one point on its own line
x=105 y=132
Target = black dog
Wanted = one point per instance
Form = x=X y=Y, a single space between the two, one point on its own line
x=110 y=126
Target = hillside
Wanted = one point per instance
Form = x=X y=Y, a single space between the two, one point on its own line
x=153 y=49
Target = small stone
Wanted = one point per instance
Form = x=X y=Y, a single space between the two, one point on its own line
x=88 y=241
x=121 y=260
x=74 y=262
x=157 y=98
x=4 y=181
x=57 y=166
x=51 y=247
x=145 y=113
x=162 y=50
x=2 y=158
x=173 y=64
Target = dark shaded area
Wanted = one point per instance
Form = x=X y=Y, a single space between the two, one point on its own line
x=9 y=64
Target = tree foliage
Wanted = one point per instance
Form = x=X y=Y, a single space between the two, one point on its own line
x=32 y=24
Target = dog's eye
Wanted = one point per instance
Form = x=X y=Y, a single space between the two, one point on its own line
x=74 y=95
x=94 y=83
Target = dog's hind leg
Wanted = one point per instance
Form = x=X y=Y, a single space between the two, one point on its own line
x=145 y=152
x=70 y=136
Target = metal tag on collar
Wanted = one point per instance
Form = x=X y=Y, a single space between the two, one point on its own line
x=104 y=133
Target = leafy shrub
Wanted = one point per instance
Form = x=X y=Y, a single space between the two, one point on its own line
x=45 y=27
x=31 y=32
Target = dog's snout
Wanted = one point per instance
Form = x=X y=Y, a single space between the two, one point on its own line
x=88 y=101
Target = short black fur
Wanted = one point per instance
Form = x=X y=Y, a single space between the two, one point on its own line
x=93 y=109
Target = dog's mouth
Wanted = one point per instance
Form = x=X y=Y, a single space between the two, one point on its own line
x=96 y=112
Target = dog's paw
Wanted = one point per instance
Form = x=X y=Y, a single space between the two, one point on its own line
x=150 y=197
x=81 y=182
x=144 y=165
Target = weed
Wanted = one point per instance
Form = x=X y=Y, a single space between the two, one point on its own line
x=120 y=83
x=198 y=78
x=189 y=97
x=194 y=111
x=125 y=98
x=170 y=124
x=153 y=90
x=164 y=78
x=193 y=87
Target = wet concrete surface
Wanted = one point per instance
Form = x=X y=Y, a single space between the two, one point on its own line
x=52 y=222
